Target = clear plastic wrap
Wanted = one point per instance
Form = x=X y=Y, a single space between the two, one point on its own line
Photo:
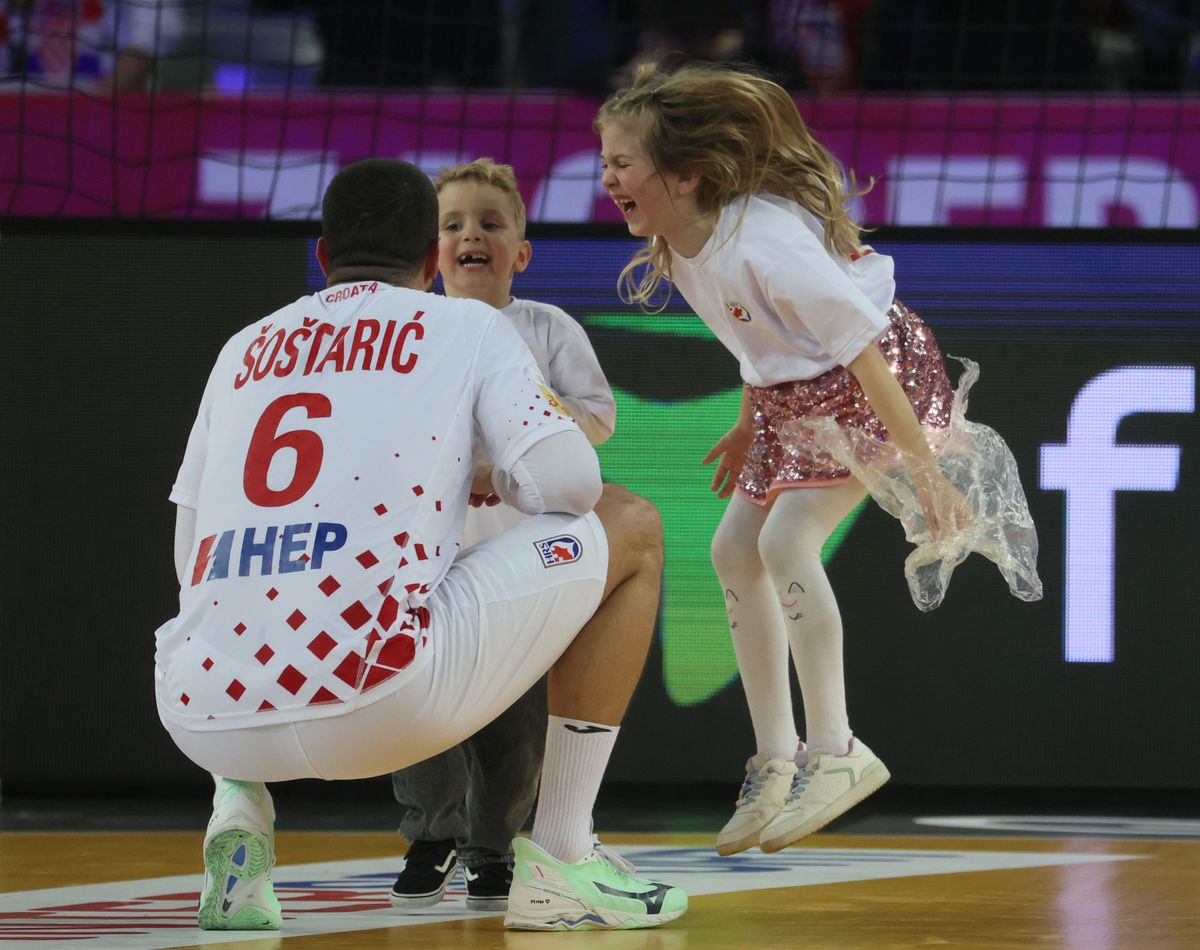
x=975 y=459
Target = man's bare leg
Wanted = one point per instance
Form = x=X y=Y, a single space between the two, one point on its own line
x=559 y=881
x=592 y=682
x=595 y=678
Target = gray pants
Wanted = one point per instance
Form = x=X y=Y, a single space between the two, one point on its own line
x=482 y=790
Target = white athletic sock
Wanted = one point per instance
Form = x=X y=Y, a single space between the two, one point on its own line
x=756 y=627
x=244 y=802
x=577 y=754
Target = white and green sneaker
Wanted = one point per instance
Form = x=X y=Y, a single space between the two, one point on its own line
x=597 y=892
x=239 y=852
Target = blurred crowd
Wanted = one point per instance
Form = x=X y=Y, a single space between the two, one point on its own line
x=595 y=45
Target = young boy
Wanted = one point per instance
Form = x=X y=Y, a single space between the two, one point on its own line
x=468 y=803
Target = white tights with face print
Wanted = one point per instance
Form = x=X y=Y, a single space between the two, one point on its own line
x=777 y=595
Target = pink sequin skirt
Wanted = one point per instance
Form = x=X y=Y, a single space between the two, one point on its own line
x=913 y=354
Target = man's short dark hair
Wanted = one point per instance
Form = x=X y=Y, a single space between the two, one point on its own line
x=380 y=212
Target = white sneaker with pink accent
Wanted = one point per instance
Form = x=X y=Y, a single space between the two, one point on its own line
x=828 y=786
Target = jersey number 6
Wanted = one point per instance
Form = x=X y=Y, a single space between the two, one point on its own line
x=267 y=440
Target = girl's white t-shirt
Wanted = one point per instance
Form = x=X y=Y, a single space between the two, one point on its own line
x=777 y=299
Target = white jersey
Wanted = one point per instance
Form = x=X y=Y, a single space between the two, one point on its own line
x=567 y=361
x=329 y=468
x=777 y=299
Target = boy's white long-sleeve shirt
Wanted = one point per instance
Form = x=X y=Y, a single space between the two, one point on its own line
x=570 y=367
x=567 y=361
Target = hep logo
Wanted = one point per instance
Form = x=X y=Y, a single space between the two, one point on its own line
x=737 y=311
x=564 y=549
x=281 y=549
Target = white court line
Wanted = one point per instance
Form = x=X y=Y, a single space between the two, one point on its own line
x=1100 y=826
x=341 y=896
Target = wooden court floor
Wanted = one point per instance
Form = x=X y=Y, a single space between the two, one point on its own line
x=1141 y=894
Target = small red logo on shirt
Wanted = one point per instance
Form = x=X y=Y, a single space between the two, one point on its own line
x=737 y=311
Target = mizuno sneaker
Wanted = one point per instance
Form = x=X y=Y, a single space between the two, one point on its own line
x=829 y=786
x=239 y=852
x=759 y=801
x=429 y=867
x=597 y=892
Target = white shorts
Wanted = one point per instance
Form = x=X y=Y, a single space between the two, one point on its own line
x=499 y=620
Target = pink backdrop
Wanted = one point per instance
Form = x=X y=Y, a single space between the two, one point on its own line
x=938 y=160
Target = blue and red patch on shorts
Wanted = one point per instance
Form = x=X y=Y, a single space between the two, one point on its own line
x=564 y=549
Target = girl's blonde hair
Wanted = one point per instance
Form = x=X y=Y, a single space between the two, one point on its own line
x=487 y=172
x=743 y=134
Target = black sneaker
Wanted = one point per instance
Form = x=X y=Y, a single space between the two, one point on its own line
x=428 y=868
x=487 y=886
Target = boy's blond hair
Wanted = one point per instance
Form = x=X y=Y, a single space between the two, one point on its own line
x=487 y=172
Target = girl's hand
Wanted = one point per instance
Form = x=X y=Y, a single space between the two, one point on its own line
x=731 y=451
x=943 y=505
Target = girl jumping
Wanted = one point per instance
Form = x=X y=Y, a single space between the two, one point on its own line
x=745 y=213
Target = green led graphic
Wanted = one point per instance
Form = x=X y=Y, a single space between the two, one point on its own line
x=663 y=324
x=656 y=452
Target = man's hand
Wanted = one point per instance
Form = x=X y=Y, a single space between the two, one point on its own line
x=483 y=494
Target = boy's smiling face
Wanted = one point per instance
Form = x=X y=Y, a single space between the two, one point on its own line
x=479 y=246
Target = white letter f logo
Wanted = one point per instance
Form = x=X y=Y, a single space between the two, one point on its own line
x=1090 y=468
